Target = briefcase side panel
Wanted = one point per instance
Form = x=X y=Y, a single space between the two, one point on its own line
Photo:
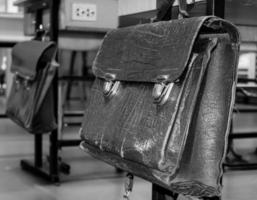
x=206 y=143
x=181 y=126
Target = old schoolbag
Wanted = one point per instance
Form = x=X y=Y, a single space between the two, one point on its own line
x=162 y=101
x=31 y=100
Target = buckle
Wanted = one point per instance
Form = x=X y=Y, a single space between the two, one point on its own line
x=22 y=80
x=161 y=92
x=110 y=87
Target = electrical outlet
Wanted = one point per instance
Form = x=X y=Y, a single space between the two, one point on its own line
x=83 y=12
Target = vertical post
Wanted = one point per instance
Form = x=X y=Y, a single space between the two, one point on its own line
x=38 y=19
x=216 y=7
x=53 y=151
x=53 y=156
x=38 y=150
x=54 y=19
x=38 y=157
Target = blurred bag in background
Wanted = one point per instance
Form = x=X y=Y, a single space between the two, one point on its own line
x=31 y=100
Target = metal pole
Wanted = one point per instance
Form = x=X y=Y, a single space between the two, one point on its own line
x=53 y=157
x=216 y=7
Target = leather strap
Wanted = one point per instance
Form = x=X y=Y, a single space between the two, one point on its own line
x=165 y=11
x=182 y=6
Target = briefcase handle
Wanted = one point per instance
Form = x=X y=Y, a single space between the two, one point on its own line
x=182 y=7
x=167 y=7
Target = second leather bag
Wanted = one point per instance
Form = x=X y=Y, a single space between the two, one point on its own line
x=31 y=100
x=162 y=101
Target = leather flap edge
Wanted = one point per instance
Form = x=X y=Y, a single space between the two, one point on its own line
x=26 y=56
x=150 y=52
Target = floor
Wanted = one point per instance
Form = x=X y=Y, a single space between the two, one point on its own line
x=89 y=179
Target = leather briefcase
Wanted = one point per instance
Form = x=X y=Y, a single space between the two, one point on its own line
x=31 y=100
x=162 y=101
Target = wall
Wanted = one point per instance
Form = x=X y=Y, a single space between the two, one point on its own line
x=11 y=26
x=107 y=15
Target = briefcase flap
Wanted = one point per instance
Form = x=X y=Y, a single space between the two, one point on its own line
x=152 y=52
x=28 y=57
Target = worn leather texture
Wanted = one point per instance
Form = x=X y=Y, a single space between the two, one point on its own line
x=179 y=145
x=30 y=103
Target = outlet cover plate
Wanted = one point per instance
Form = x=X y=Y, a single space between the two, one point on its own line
x=83 y=12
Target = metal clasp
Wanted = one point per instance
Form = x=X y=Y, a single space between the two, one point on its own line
x=161 y=92
x=128 y=186
x=110 y=87
x=24 y=80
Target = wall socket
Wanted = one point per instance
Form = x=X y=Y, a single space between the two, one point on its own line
x=83 y=12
